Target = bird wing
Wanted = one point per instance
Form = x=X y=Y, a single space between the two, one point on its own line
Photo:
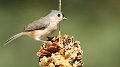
x=37 y=25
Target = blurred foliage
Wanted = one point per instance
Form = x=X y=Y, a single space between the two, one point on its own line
x=95 y=23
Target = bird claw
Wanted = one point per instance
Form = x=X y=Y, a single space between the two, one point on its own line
x=50 y=38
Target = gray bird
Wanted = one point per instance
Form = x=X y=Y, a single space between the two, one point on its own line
x=42 y=27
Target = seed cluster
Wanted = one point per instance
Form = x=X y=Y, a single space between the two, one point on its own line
x=67 y=53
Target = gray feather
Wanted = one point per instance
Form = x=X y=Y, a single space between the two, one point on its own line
x=42 y=23
x=14 y=37
x=38 y=25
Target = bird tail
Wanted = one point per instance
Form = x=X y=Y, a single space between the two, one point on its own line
x=14 y=37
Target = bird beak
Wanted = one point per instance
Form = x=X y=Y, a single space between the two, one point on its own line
x=64 y=18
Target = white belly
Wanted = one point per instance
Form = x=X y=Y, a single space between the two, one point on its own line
x=39 y=34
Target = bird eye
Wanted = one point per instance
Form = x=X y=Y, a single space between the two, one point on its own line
x=58 y=15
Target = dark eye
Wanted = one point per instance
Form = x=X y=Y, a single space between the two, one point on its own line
x=58 y=15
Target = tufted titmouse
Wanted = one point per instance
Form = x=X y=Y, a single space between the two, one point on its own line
x=42 y=27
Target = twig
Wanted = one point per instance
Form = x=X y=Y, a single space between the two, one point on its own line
x=59 y=23
x=60 y=5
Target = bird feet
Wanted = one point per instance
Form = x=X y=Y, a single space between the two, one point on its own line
x=50 y=38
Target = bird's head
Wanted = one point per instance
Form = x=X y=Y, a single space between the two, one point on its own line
x=57 y=16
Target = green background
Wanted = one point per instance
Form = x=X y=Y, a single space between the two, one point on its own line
x=95 y=23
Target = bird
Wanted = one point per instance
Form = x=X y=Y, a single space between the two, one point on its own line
x=41 y=28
